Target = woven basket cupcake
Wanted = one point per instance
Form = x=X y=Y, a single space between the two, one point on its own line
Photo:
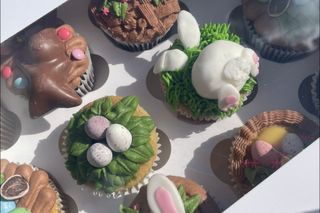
x=292 y=121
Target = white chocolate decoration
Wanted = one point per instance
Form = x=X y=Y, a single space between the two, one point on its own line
x=161 y=185
x=221 y=70
x=99 y=155
x=170 y=60
x=291 y=145
x=118 y=138
x=188 y=29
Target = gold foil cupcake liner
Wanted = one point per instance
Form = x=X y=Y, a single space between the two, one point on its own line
x=250 y=131
x=63 y=147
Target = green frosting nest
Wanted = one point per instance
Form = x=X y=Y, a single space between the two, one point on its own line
x=178 y=85
x=190 y=203
x=123 y=166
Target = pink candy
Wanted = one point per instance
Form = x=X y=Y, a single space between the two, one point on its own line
x=6 y=72
x=78 y=54
x=64 y=33
x=165 y=201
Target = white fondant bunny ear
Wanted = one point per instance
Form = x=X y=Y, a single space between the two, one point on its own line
x=170 y=60
x=188 y=29
x=163 y=195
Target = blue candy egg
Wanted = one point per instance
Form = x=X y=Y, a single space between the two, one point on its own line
x=7 y=206
x=20 y=83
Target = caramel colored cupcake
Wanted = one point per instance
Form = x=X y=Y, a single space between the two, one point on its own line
x=26 y=188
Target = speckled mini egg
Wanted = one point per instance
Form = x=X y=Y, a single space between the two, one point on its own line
x=118 y=138
x=264 y=153
x=7 y=205
x=291 y=145
x=96 y=127
x=99 y=155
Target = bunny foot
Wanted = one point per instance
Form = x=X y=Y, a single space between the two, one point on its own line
x=228 y=102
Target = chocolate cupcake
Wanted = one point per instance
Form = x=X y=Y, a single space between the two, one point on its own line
x=25 y=188
x=135 y=25
x=171 y=194
x=265 y=143
x=282 y=31
x=52 y=69
x=206 y=74
x=111 y=145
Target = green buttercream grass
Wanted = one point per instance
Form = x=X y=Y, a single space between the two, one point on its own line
x=190 y=203
x=123 y=166
x=178 y=85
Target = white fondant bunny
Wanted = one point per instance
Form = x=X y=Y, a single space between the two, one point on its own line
x=221 y=69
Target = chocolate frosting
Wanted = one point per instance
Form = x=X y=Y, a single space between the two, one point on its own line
x=144 y=22
x=52 y=73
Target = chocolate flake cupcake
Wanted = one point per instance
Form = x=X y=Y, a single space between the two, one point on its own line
x=135 y=25
x=52 y=69
x=206 y=74
x=265 y=143
x=111 y=145
x=282 y=31
x=171 y=194
x=25 y=188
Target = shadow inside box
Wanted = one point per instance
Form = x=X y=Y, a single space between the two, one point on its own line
x=213 y=176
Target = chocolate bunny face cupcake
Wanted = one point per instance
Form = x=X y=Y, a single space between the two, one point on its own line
x=53 y=69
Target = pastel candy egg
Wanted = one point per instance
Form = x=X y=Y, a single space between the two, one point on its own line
x=265 y=154
x=118 y=138
x=6 y=72
x=78 y=54
x=7 y=205
x=273 y=135
x=292 y=144
x=99 y=155
x=20 y=83
x=64 y=33
x=96 y=127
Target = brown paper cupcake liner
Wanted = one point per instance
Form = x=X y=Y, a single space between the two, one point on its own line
x=294 y=121
x=87 y=79
x=63 y=147
x=10 y=128
x=269 y=51
x=315 y=87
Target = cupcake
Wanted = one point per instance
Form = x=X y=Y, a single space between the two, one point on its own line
x=26 y=189
x=135 y=25
x=111 y=145
x=171 y=194
x=52 y=69
x=282 y=31
x=206 y=74
x=315 y=92
x=265 y=143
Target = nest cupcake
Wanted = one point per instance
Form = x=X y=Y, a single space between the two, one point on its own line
x=135 y=25
x=282 y=31
x=111 y=145
x=206 y=74
x=26 y=189
x=52 y=69
x=171 y=194
x=265 y=143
